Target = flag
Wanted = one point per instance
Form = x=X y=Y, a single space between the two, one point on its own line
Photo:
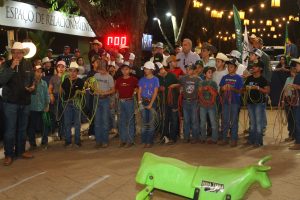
x=246 y=48
x=286 y=38
x=238 y=29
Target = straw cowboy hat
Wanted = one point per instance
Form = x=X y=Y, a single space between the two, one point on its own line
x=19 y=46
x=96 y=42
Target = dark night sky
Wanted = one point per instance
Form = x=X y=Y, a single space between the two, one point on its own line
x=199 y=18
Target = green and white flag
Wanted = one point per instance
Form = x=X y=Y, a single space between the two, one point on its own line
x=238 y=29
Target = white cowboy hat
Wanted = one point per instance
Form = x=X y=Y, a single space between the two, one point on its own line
x=19 y=46
x=96 y=42
x=297 y=60
x=46 y=59
x=74 y=65
x=222 y=56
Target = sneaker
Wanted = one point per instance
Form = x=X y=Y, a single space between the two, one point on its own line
x=122 y=144
x=78 y=145
x=233 y=143
x=67 y=145
x=27 y=155
x=7 y=161
x=222 y=142
x=128 y=145
x=295 y=147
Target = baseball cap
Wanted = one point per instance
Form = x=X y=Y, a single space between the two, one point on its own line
x=61 y=62
x=159 y=45
x=149 y=65
x=191 y=66
x=232 y=61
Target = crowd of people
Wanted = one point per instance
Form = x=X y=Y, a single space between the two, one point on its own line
x=202 y=93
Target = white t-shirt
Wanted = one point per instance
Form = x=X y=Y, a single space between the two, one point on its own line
x=218 y=75
x=240 y=70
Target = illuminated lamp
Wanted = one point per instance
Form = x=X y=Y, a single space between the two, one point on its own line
x=296 y=19
x=246 y=22
x=31 y=47
x=225 y=39
x=291 y=17
x=272 y=29
x=233 y=36
x=242 y=14
x=275 y=36
x=253 y=30
x=269 y=23
x=275 y=3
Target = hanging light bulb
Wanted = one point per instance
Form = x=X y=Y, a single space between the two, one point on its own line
x=31 y=47
x=272 y=29
x=275 y=3
x=242 y=14
x=262 y=5
x=269 y=23
x=253 y=30
x=246 y=22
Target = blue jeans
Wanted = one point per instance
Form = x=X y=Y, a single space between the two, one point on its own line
x=36 y=123
x=256 y=115
x=230 y=118
x=56 y=110
x=127 y=121
x=72 y=115
x=170 y=123
x=190 y=119
x=102 y=121
x=265 y=121
x=148 y=127
x=16 y=120
x=297 y=123
x=212 y=113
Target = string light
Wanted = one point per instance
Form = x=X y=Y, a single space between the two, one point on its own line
x=250 y=10
x=275 y=3
x=279 y=25
x=207 y=9
x=269 y=23
x=262 y=5
x=253 y=21
x=246 y=22
x=261 y=22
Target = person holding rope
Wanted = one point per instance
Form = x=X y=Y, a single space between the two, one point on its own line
x=72 y=114
x=39 y=109
x=207 y=97
x=256 y=87
x=125 y=88
x=296 y=85
x=56 y=108
x=230 y=87
x=190 y=84
x=104 y=88
x=147 y=93
x=169 y=104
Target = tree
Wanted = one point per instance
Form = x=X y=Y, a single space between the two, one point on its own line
x=106 y=16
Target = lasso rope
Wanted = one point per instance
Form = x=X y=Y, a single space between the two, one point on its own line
x=207 y=102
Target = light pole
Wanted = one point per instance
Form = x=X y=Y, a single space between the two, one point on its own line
x=174 y=24
x=163 y=33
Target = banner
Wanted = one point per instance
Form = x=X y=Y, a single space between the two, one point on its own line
x=238 y=29
x=246 y=48
x=22 y=15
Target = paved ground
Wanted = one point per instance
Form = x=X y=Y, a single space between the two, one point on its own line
x=87 y=173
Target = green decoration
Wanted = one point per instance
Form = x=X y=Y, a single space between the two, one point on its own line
x=238 y=29
x=198 y=183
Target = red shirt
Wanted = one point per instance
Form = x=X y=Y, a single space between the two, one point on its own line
x=125 y=87
x=177 y=71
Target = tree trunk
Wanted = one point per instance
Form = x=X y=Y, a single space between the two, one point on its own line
x=183 y=21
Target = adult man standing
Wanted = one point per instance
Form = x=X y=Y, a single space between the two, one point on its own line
x=186 y=57
x=291 y=49
x=96 y=50
x=159 y=48
x=66 y=56
x=17 y=79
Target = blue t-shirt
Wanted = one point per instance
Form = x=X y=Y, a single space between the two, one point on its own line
x=148 y=86
x=236 y=82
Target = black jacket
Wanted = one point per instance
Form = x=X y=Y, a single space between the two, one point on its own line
x=14 y=82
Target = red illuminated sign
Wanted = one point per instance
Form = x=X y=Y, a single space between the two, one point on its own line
x=116 y=40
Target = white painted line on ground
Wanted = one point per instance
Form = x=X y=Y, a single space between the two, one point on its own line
x=88 y=187
x=20 y=182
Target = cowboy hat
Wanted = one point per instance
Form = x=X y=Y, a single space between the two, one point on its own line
x=96 y=42
x=19 y=46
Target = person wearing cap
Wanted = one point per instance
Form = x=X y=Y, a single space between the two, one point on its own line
x=221 y=69
x=231 y=86
x=104 y=88
x=289 y=109
x=254 y=57
x=48 y=69
x=159 y=49
x=265 y=58
x=169 y=104
x=296 y=85
x=66 y=56
x=257 y=87
x=234 y=54
x=17 y=81
x=147 y=93
x=56 y=108
x=96 y=49
x=206 y=52
x=208 y=90
x=39 y=105
x=125 y=88
x=77 y=53
x=173 y=67
x=189 y=87
x=72 y=114
x=186 y=57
